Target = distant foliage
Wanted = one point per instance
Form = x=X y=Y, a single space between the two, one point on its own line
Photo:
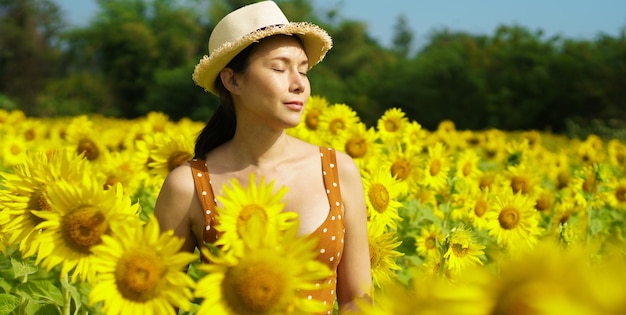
x=137 y=56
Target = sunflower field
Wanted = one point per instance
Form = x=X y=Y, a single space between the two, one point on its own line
x=459 y=221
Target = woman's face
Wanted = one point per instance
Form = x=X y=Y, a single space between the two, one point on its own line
x=275 y=87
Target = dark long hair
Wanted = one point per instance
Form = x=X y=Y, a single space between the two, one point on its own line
x=221 y=127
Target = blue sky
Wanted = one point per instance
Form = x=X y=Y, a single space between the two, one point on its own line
x=570 y=18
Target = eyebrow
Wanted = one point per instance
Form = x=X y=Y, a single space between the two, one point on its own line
x=304 y=61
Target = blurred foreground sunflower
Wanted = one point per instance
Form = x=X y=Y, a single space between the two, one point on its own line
x=141 y=271
x=256 y=202
x=267 y=277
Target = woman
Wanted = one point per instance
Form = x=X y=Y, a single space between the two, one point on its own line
x=257 y=66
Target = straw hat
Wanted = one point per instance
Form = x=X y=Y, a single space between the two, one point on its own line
x=249 y=24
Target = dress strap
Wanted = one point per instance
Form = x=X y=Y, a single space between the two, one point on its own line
x=204 y=190
x=331 y=176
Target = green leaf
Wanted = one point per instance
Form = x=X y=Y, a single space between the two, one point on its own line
x=40 y=291
x=596 y=226
x=5 y=285
x=36 y=308
x=8 y=303
x=21 y=269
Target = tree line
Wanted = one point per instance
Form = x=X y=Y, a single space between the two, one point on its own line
x=137 y=56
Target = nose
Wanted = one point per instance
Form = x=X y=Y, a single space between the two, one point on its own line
x=298 y=82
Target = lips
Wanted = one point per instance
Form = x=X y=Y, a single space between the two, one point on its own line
x=295 y=105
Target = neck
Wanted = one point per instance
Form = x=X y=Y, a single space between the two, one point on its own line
x=260 y=148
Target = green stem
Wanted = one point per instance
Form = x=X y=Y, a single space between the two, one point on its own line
x=23 y=299
x=67 y=298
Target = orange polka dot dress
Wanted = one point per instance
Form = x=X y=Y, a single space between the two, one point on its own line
x=330 y=233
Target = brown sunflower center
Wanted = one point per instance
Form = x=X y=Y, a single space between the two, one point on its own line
x=620 y=194
x=88 y=148
x=563 y=179
x=356 y=147
x=391 y=125
x=30 y=134
x=177 y=159
x=508 y=218
x=590 y=185
x=379 y=197
x=401 y=169
x=542 y=203
x=467 y=168
x=430 y=242
x=111 y=180
x=137 y=276
x=312 y=119
x=486 y=181
x=459 y=250
x=83 y=228
x=435 y=167
x=254 y=289
x=480 y=208
x=374 y=256
x=37 y=201
x=337 y=125
x=520 y=184
x=15 y=150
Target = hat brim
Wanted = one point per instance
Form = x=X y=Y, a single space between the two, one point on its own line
x=315 y=40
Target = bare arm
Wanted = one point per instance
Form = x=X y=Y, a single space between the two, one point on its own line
x=354 y=278
x=175 y=203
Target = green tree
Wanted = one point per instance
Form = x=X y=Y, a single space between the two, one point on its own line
x=130 y=41
x=29 y=48
x=402 y=37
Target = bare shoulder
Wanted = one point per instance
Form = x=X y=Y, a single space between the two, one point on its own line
x=176 y=197
x=348 y=170
x=180 y=181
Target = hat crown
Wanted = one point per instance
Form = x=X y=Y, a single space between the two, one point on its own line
x=244 y=21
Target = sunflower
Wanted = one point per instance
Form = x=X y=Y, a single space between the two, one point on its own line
x=462 y=250
x=616 y=196
x=171 y=150
x=382 y=245
x=79 y=216
x=257 y=202
x=556 y=280
x=436 y=168
x=266 y=277
x=13 y=149
x=477 y=206
x=122 y=167
x=493 y=146
x=522 y=178
x=391 y=125
x=381 y=196
x=616 y=151
x=308 y=129
x=141 y=271
x=467 y=165
x=427 y=242
x=589 y=184
x=557 y=168
x=82 y=138
x=336 y=119
x=404 y=164
x=414 y=136
x=514 y=220
x=446 y=132
x=359 y=142
x=24 y=191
